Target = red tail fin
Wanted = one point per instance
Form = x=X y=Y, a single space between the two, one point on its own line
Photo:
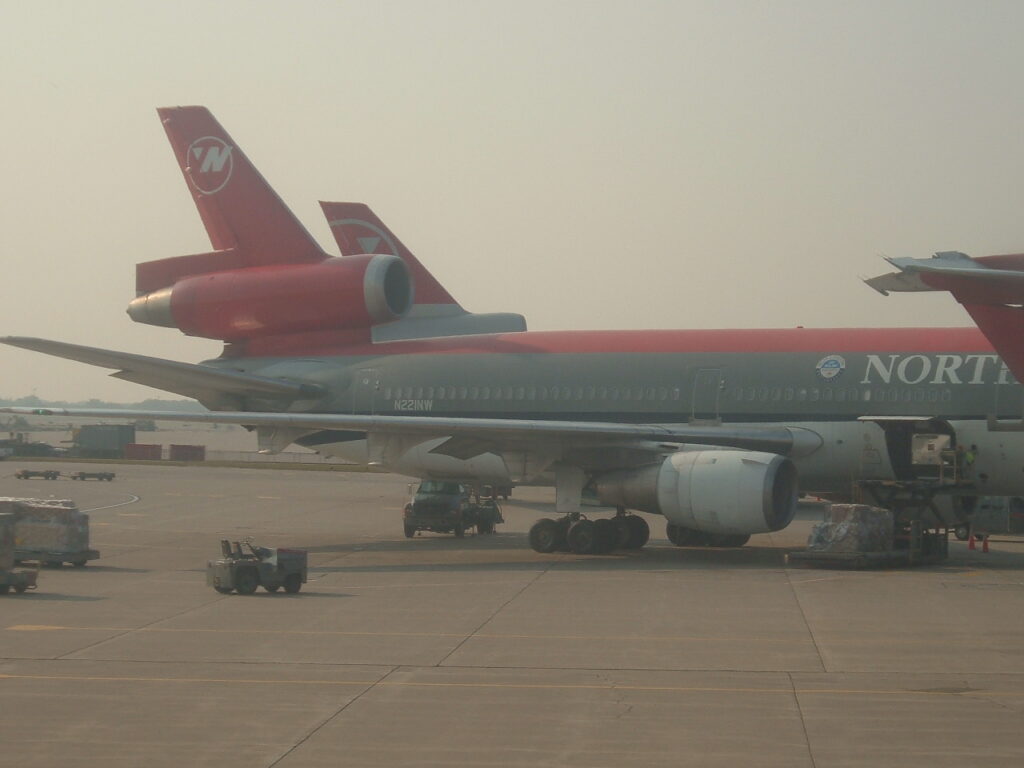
x=241 y=212
x=358 y=230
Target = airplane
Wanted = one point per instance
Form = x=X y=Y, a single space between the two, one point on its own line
x=367 y=357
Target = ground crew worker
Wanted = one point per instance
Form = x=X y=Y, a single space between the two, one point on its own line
x=970 y=455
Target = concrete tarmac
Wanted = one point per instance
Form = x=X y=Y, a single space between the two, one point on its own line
x=479 y=652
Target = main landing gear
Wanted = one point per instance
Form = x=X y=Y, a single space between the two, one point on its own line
x=687 y=537
x=578 y=534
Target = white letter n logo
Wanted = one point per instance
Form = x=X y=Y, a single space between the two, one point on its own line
x=215 y=158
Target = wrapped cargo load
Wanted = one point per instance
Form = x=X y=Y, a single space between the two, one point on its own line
x=853 y=528
x=52 y=530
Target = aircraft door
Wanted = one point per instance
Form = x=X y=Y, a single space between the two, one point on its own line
x=918 y=449
x=707 y=389
x=366 y=391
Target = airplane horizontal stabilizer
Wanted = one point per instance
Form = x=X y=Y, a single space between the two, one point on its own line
x=202 y=382
x=991 y=289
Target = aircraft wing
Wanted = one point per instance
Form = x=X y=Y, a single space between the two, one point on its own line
x=202 y=382
x=486 y=434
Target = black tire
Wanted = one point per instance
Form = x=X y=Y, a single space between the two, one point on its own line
x=687 y=537
x=292 y=583
x=485 y=526
x=672 y=532
x=639 y=531
x=246 y=581
x=410 y=531
x=272 y=587
x=962 y=532
x=80 y=563
x=583 y=537
x=223 y=590
x=544 y=536
x=607 y=536
x=54 y=564
x=20 y=588
x=563 y=534
x=622 y=532
x=459 y=530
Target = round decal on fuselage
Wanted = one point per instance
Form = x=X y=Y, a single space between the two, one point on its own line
x=830 y=367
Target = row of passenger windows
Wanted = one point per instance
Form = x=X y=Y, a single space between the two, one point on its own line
x=651 y=394
x=663 y=394
x=840 y=394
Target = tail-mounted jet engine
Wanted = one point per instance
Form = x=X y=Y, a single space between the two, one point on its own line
x=334 y=294
x=715 y=491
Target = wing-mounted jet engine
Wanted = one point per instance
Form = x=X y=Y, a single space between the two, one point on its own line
x=716 y=491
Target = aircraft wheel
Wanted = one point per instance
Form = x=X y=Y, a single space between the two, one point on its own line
x=691 y=538
x=962 y=532
x=639 y=531
x=623 y=532
x=672 y=532
x=544 y=535
x=607 y=536
x=562 y=545
x=584 y=538
x=273 y=588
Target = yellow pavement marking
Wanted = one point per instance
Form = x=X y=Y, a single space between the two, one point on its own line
x=785 y=690
x=348 y=633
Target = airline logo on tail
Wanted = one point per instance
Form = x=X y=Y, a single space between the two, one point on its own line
x=209 y=164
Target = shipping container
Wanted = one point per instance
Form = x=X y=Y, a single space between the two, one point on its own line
x=144 y=451
x=103 y=440
x=188 y=453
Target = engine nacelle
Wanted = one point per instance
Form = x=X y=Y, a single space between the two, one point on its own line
x=338 y=293
x=716 y=491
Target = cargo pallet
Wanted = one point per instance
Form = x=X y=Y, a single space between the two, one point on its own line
x=913 y=543
x=53 y=559
x=45 y=474
x=108 y=476
x=911 y=546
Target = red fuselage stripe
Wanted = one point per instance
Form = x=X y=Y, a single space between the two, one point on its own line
x=782 y=340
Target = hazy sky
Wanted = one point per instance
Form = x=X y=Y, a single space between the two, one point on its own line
x=588 y=164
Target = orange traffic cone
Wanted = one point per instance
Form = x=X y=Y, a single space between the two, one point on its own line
x=970 y=542
x=984 y=544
